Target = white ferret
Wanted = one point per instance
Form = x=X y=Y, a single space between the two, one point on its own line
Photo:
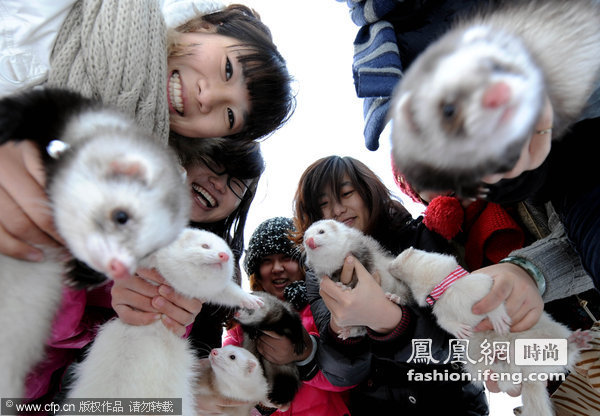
x=424 y=271
x=150 y=361
x=277 y=316
x=116 y=196
x=234 y=373
x=468 y=104
x=327 y=243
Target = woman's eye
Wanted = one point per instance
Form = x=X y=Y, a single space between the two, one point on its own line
x=346 y=194
x=228 y=69
x=230 y=117
x=323 y=204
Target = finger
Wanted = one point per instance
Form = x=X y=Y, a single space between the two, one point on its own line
x=135 y=317
x=500 y=291
x=18 y=249
x=152 y=275
x=329 y=289
x=272 y=334
x=347 y=270
x=173 y=326
x=138 y=284
x=484 y=325
x=528 y=321
x=174 y=312
x=377 y=277
x=131 y=299
x=191 y=305
x=492 y=386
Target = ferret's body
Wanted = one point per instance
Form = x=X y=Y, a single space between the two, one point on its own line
x=279 y=317
x=116 y=196
x=232 y=373
x=468 y=104
x=150 y=360
x=423 y=271
x=327 y=243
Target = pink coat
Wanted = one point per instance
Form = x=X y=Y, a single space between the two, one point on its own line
x=316 y=397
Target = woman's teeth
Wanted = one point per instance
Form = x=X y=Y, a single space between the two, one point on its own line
x=205 y=196
x=175 y=92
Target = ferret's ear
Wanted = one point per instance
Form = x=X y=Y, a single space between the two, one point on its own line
x=135 y=169
x=251 y=366
x=402 y=113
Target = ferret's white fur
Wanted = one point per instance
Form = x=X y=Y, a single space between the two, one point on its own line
x=422 y=271
x=150 y=361
x=535 y=48
x=333 y=241
x=233 y=373
x=111 y=169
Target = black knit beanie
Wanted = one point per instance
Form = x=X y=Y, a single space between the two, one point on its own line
x=270 y=237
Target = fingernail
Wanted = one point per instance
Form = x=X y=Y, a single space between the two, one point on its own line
x=158 y=302
x=349 y=260
x=165 y=290
x=34 y=255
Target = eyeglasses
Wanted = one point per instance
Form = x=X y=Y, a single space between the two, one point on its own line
x=237 y=186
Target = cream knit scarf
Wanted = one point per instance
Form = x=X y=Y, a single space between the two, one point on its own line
x=115 y=51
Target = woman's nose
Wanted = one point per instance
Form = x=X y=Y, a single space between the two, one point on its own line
x=210 y=95
x=219 y=182
x=338 y=209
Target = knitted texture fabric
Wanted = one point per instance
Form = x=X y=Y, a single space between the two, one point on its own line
x=116 y=52
x=270 y=237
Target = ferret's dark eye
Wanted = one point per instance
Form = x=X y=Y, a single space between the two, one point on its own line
x=232 y=357
x=205 y=245
x=321 y=231
x=120 y=216
x=448 y=110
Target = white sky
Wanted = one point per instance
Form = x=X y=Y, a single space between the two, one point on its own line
x=316 y=38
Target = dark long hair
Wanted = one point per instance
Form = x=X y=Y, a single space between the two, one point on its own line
x=242 y=160
x=267 y=78
x=327 y=175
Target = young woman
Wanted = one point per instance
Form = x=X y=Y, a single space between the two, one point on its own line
x=346 y=190
x=273 y=264
x=223 y=77
x=138 y=302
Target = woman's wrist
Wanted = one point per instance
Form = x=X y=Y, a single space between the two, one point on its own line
x=530 y=268
x=388 y=317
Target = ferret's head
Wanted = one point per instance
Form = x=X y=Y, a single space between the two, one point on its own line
x=421 y=271
x=195 y=258
x=465 y=109
x=326 y=245
x=238 y=373
x=117 y=196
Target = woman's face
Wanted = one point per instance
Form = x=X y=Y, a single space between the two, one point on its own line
x=206 y=89
x=277 y=271
x=213 y=196
x=350 y=209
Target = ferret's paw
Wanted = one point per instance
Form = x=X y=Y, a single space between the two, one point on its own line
x=342 y=286
x=463 y=331
x=581 y=338
x=252 y=302
x=394 y=298
x=500 y=320
x=351 y=332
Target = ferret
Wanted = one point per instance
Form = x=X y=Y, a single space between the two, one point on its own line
x=468 y=104
x=116 y=196
x=327 y=243
x=279 y=317
x=234 y=373
x=424 y=271
x=150 y=360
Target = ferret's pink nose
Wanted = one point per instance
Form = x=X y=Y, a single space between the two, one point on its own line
x=117 y=269
x=223 y=256
x=214 y=352
x=496 y=95
x=311 y=243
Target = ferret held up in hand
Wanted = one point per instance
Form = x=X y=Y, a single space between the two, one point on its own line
x=277 y=316
x=149 y=360
x=327 y=243
x=116 y=196
x=436 y=279
x=233 y=373
x=468 y=105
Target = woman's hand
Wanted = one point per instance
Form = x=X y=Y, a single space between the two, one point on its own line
x=278 y=349
x=140 y=302
x=518 y=290
x=25 y=214
x=364 y=305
